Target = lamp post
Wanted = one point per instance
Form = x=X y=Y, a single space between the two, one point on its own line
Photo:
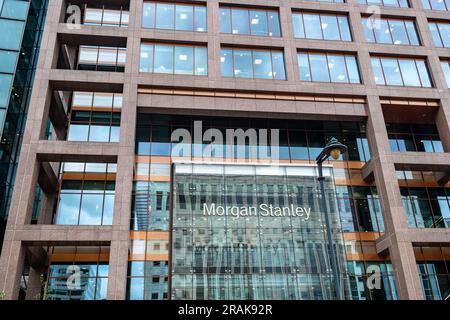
x=334 y=149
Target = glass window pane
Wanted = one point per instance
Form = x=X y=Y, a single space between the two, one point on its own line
x=336 y=65
x=5 y=88
x=111 y=17
x=8 y=61
x=12 y=39
x=368 y=26
x=382 y=34
x=352 y=69
x=303 y=66
x=148 y=15
x=312 y=26
x=446 y=68
x=319 y=68
x=78 y=132
x=88 y=55
x=225 y=20
x=242 y=63
x=200 y=18
x=184 y=17
x=444 y=31
x=279 y=72
x=330 y=27
x=391 y=72
x=398 y=32
x=108 y=210
x=409 y=72
x=107 y=56
x=423 y=73
x=184 y=60
x=15 y=9
x=93 y=16
x=164 y=16
x=103 y=100
x=262 y=64
x=91 y=209
x=82 y=99
x=99 y=133
x=146 y=60
x=274 y=24
x=163 y=60
x=226 y=63
x=297 y=21
x=412 y=33
x=344 y=28
x=68 y=208
x=239 y=21
x=115 y=134
x=201 y=61
x=377 y=71
x=258 y=23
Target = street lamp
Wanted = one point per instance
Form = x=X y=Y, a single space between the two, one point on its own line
x=332 y=149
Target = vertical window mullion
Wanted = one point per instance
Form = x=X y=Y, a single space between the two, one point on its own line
x=339 y=27
x=406 y=31
x=321 y=29
x=400 y=71
x=327 y=66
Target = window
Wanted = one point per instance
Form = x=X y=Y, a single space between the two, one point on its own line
x=8 y=61
x=93 y=281
x=414 y=137
x=386 y=3
x=13 y=9
x=85 y=203
x=12 y=39
x=250 y=21
x=101 y=58
x=174 y=59
x=400 y=72
x=185 y=17
x=321 y=26
x=106 y=100
x=249 y=63
x=442 y=5
x=390 y=31
x=94 y=126
x=144 y=280
x=426 y=207
x=324 y=67
x=446 y=68
x=106 y=17
x=441 y=34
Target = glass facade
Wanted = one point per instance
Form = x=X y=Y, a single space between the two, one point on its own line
x=251 y=232
x=147 y=280
x=174 y=59
x=321 y=26
x=327 y=67
x=441 y=34
x=13 y=14
x=85 y=202
x=182 y=17
x=77 y=281
x=17 y=63
x=446 y=69
x=101 y=58
x=250 y=22
x=401 y=72
x=106 y=17
x=390 y=31
x=441 y=5
x=414 y=137
x=426 y=207
x=248 y=63
x=386 y=3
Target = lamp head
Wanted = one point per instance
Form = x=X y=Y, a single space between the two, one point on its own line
x=333 y=149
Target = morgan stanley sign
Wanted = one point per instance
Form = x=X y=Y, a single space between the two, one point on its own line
x=263 y=210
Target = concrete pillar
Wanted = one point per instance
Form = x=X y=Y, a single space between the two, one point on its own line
x=11 y=267
x=401 y=253
x=34 y=285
